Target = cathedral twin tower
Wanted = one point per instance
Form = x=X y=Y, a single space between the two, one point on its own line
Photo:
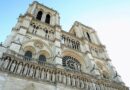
x=39 y=55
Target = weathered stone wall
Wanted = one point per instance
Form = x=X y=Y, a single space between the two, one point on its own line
x=86 y=65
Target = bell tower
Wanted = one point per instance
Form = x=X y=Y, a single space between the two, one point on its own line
x=39 y=55
x=44 y=14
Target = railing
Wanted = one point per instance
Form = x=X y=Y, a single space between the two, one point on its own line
x=41 y=30
x=69 y=41
x=54 y=75
x=27 y=59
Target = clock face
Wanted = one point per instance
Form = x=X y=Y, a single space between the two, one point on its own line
x=71 y=63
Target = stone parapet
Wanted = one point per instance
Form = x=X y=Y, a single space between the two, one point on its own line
x=49 y=73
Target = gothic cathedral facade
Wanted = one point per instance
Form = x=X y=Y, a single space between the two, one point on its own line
x=39 y=55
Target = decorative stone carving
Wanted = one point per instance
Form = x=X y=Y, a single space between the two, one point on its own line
x=42 y=74
x=38 y=44
x=13 y=66
x=53 y=77
x=59 y=77
x=48 y=75
x=73 y=81
x=37 y=72
x=81 y=84
x=71 y=63
x=25 y=70
x=68 y=80
x=64 y=79
x=31 y=71
x=93 y=85
x=19 y=68
x=77 y=82
x=6 y=63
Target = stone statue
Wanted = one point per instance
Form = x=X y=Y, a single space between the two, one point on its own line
x=37 y=73
x=68 y=80
x=86 y=85
x=53 y=77
x=81 y=83
x=93 y=85
x=59 y=74
x=19 y=68
x=25 y=70
x=78 y=66
x=42 y=74
x=64 y=79
x=73 y=81
x=90 y=86
x=13 y=66
x=48 y=76
x=6 y=63
x=31 y=71
x=97 y=86
x=77 y=82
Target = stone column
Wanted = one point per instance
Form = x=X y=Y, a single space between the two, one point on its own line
x=43 y=17
x=52 y=20
x=57 y=19
x=57 y=42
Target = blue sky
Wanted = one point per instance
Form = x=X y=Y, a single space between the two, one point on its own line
x=110 y=18
x=86 y=11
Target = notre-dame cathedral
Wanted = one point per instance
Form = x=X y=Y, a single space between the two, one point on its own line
x=39 y=55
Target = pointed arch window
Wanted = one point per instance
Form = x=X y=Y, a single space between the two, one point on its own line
x=42 y=58
x=47 y=20
x=28 y=55
x=39 y=15
x=89 y=38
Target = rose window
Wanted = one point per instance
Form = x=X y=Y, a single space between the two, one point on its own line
x=71 y=63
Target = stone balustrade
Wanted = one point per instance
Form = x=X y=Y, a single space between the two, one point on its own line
x=44 y=31
x=69 y=41
x=49 y=73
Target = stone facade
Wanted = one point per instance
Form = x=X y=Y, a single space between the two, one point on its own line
x=39 y=55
